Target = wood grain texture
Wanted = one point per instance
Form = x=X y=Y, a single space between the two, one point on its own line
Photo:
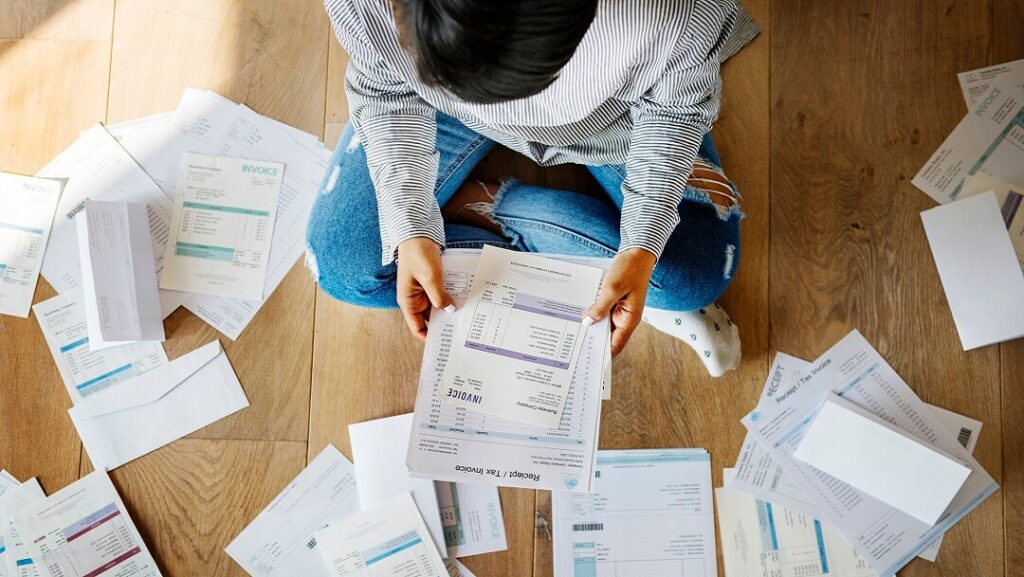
x=859 y=101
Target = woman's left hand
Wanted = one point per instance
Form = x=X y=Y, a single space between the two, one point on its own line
x=623 y=294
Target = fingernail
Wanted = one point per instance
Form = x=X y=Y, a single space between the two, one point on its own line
x=449 y=309
x=587 y=321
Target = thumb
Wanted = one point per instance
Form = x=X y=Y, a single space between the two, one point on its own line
x=606 y=299
x=433 y=285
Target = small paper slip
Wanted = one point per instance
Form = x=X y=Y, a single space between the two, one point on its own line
x=86 y=371
x=519 y=336
x=26 y=215
x=84 y=530
x=119 y=286
x=279 y=542
x=386 y=541
x=378 y=450
x=975 y=83
x=980 y=272
x=124 y=422
x=472 y=518
x=223 y=223
x=457 y=569
x=15 y=558
x=860 y=449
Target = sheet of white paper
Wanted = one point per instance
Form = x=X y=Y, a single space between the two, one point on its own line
x=26 y=213
x=471 y=516
x=279 y=542
x=386 y=541
x=990 y=139
x=83 y=370
x=96 y=167
x=223 y=223
x=456 y=444
x=980 y=273
x=7 y=483
x=651 y=513
x=90 y=506
x=379 y=448
x=975 y=83
x=1010 y=198
x=16 y=560
x=855 y=371
x=853 y=446
x=124 y=422
x=456 y=569
x=519 y=337
x=119 y=286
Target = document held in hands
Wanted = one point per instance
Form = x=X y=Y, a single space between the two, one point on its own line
x=223 y=223
x=519 y=336
x=122 y=302
x=26 y=214
x=867 y=453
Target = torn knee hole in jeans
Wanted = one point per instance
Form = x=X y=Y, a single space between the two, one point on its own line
x=312 y=265
x=718 y=188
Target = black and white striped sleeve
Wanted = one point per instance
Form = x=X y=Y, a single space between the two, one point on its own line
x=668 y=126
x=397 y=129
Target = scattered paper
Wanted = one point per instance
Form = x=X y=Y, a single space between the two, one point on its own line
x=651 y=514
x=26 y=214
x=279 y=542
x=386 y=541
x=457 y=569
x=472 y=518
x=16 y=559
x=1010 y=198
x=519 y=336
x=124 y=422
x=976 y=83
x=980 y=272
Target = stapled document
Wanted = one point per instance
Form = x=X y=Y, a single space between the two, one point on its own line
x=84 y=530
x=867 y=453
x=124 y=422
x=519 y=336
x=980 y=272
x=387 y=541
x=119 y=283
x=26 y=215
x=223 y=223
x=279 y=542
x=976 y=83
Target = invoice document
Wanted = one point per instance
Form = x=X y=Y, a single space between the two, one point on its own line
x=386 y=541
x=885 y=537
x=651 y=513
x=26 y=213
x=519 y=336
x=455 y=444
x=84 y=530
x=119 y=285
x=980 y=273
x=132 y=418
x=279 y=541
x=990 y=139
x=471 y=517
x=457 y=569
x=975 y=83
x=17 y=560
x=86 y=371
x=223 y=222
x=7 y=483
x=763 y=539
x=1009 y=198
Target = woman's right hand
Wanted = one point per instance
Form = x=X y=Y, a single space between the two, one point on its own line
x=421 y=283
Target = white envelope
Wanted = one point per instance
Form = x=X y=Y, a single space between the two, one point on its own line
x=134 y=417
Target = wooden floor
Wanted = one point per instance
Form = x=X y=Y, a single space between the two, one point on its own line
x=826 y=118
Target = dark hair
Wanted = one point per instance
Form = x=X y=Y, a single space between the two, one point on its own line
x=492 y=50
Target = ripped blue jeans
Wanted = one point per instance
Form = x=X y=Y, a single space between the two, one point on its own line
x=344 y=246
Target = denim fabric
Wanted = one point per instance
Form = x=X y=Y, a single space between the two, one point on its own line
x=344 y=246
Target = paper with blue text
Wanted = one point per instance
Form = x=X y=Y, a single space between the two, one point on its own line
x=26 y=213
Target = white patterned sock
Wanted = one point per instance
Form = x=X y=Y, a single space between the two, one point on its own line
x=708 y=331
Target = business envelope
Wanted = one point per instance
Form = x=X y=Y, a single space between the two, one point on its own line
x=124 y=422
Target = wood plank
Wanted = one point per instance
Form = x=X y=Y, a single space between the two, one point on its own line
x=56 y=19
x=245 y=51
x=851 y=125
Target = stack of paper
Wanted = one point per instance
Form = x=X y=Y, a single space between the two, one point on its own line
x=849 y=388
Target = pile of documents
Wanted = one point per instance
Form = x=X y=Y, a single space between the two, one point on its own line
x=845 y=471
x=977 y=236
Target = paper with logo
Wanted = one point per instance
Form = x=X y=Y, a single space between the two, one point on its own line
x=976 y=83
x=519 y=336
x=26 y=214
x=84 y=530
x=16 y=559
x=279 y=541
x=222 y=227
x=386 y=541
x=472 y=518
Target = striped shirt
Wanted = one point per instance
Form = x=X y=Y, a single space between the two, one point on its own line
x=641 y=89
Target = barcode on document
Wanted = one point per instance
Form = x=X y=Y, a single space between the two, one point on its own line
x=965 y=436
x=311 y=544
x=588 y=527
